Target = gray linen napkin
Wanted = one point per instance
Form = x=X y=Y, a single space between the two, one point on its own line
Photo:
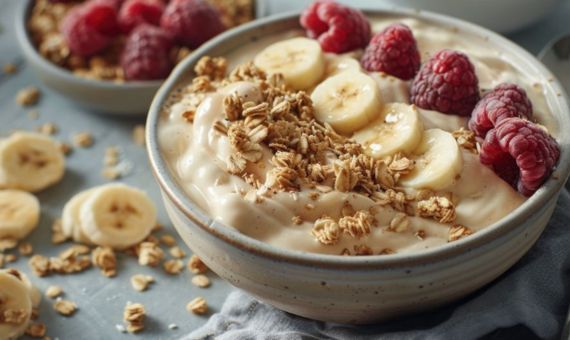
x=533 y=295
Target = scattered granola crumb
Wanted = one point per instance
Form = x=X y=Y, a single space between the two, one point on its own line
x=399 y=223
x=36 y=330
x=297 y=220
x=9 y=68
x=197 y=306
x=150 y=254
x=65 y=148
x=213 y=68
x=25 y=249
x=177 y=252
x=57 y=236
x=48 y=129
x=357 y=225
x=439 y=208
x=196 y=266
x=40 y=265
x=141 y=282
x=326 y=230
x=168 y=240
x=35 y=313
x=457 y=231
x=134 y=316
x=139 y=135
x=28 y=96
x=173 y=267
x=64 y=307
x=201 y=281
x=466 y=139
x=54 y=291
x=111 y=156
x=104 y=258
x=83 y=139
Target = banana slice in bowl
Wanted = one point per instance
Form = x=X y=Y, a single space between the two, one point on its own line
x=30 y=162
x=438 y=162
x=347 y=101
x=300 y=60
x=336 y=64
x=117 y=215
x=19 y=214
x=398 y=129
x=14 y=301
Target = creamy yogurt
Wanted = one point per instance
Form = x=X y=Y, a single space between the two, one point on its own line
x=196 y=155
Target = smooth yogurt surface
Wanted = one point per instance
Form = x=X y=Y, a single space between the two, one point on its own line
x=196 y=155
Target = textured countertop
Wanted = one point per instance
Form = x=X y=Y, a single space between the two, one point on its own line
x=101 y=300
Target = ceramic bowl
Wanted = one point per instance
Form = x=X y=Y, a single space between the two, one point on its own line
x=129 y=98
x=357 y=289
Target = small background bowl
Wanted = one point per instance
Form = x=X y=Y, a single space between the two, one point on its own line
x=129 y=98
x=360 y=289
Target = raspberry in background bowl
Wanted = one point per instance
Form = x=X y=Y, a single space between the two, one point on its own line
x=97 y=81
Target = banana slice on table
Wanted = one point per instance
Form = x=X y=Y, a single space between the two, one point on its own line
x=398 y=129
x=71 y=222
x=34 y=293
x=19 y=214
x=300 y=60
x=438 y=162
x=30 y=161
x=14 y=297
x=117 y=216
x=347 y=101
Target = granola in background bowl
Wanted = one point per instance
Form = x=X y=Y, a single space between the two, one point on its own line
x=46 y=31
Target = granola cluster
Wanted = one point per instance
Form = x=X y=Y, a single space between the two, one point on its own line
x=305 y=154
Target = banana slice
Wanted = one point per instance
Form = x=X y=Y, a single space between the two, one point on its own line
x=14 y=296
x=398 y=129
x=71 y=223
x=117 y=216
x=438 y=162
x=336 y=64
x=34 y=293
x=299 y=60
x=30 y=162
x=347 y=101
x=19 y=214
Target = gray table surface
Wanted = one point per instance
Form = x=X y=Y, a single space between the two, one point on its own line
x=101 y=300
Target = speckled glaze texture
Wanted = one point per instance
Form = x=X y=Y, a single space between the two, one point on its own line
x=131 y=98
x=361 y=289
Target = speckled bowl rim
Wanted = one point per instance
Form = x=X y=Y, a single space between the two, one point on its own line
x=174 y=193
x=22 y=15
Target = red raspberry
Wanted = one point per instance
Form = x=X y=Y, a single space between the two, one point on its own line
x=521 y=153
x=102 y=15
x=393 y=51
x=338 y=28
x=145 y=56
x=191 y=22
x=81 y=37
x=136 y=12
x=446 y=83
x=504 y=101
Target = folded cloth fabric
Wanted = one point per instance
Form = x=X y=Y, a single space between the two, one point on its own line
x=533 y=295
